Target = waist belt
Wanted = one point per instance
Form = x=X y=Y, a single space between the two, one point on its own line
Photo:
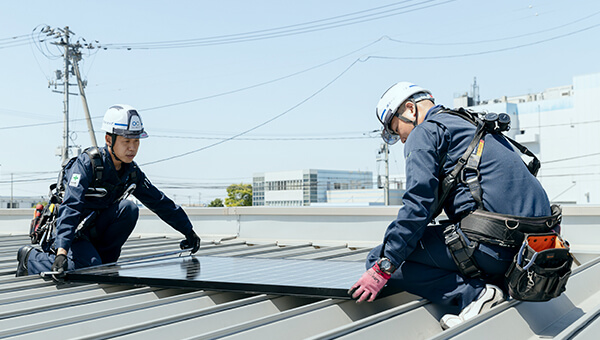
x=507 y=230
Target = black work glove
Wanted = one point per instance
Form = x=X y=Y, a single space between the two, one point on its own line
x=191 y=241
x=60 y=266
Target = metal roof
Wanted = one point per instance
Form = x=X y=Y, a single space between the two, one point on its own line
x=31 y=306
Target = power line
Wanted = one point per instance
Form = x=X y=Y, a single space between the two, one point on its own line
x=263 y=83
x=270 y=138
x=312 y=26
x=497 y=39
x=2 y=40
x=488 y=51
x=210 y=96
x=571 y=158
x=561 y=124
x=261 y=124
x=320 y=65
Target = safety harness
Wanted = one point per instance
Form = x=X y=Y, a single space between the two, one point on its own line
x=480 y=225
x=42 y=227
x=467 y=166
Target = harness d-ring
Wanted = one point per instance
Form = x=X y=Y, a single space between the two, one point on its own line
x=513 y=228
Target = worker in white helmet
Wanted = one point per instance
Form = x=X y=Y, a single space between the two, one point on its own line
x=94 y=220
x=456 y=162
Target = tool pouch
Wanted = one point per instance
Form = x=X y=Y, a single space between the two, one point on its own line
x=540 y=269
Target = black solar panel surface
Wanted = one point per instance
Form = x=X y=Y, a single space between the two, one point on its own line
x=249 y=275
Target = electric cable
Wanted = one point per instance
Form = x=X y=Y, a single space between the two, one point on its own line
x=497 y=39
x=488 y=51
x=317 y=25
x=571 y=158
x=272 y=138
x=259 y=125
x=314 y=67
x=265 y=82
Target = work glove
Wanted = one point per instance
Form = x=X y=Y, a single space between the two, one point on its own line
x=191 y=241
x=59 y=266
x=369 y=285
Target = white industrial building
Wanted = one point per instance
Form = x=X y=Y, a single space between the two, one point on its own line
x=560 y=125
x=363 y=197
x=20 y=201
x=303 y=187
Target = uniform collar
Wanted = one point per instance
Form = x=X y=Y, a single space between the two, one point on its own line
x=434 y=110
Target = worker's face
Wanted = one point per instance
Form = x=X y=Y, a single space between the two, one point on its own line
x=125 y=148
x=404 y=127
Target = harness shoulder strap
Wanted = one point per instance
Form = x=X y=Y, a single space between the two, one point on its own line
x=97 y=164
x=450 y=180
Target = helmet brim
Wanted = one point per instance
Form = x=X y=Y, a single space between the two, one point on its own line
x=130 y=134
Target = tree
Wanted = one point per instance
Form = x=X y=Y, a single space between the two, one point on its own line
x=217 y=202
x=239 y=195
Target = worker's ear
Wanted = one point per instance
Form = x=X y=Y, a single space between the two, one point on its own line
x=107 y=140
x=410 y=106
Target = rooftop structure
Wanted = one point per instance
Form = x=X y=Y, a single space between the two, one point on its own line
x=32 y=307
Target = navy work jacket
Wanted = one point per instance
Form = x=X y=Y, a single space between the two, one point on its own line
x=431 y=152
x=76 y=206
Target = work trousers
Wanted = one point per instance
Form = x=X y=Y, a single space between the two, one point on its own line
x=102 y=243
x=430 y=272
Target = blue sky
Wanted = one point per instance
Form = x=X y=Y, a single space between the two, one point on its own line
x=303 y=76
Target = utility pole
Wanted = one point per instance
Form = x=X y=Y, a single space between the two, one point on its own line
x=65 y=148
x=11 y=191
x=383 y=156
x=72 y=56
x=86 y=109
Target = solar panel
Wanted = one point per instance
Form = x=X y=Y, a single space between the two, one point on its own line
x=315 y=278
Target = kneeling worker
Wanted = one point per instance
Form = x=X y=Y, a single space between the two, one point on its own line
x=414 y=257
x=114 y=218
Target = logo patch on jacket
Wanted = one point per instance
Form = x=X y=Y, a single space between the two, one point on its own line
x=75 y=180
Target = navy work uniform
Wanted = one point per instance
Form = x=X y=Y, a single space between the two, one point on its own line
x=115 y=220
x=425 y=265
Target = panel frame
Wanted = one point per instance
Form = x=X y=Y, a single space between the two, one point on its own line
x=129 y=274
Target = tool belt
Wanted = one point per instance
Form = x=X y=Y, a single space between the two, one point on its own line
x=507 y=230
x=481 y=226
x=540 y=269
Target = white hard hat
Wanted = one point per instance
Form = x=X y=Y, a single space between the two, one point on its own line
x=391 y=101
x=123 y=120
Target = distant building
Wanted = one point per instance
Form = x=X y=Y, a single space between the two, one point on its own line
x=303 y=187
x=21 y=201
x=560 y=125
x=362 y=197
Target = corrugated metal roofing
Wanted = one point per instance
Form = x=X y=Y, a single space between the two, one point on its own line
x=31 y=307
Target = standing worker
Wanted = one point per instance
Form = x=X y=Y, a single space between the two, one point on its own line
x=94 y=187
x=417 y=258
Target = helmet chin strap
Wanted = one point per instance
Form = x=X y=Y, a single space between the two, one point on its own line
x=112 y=149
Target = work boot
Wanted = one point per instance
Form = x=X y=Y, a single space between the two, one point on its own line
x=22 y=257
x=489 y=297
